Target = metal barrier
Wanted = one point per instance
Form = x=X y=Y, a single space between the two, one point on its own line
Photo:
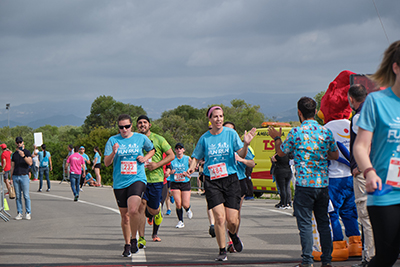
x=2 y=210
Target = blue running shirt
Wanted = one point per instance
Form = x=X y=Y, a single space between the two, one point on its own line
x=180 y=166
x=241 y=167
x=218 y=148
x=129 y=149
x=380 y=115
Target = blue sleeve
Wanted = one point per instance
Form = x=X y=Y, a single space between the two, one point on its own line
x=148 y=145
x=238 y=144
x=108 y=149
x=198 y=152
x=367 y=119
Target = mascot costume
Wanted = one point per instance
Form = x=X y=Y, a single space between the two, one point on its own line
x=335 y=112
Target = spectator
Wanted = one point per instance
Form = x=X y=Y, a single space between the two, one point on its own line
x=45 y=162
x=87 y=162
x=6 y=163
x=35 y=163
x=20 y=162
x=357 y=94
x=76 y=164
x=312 y=146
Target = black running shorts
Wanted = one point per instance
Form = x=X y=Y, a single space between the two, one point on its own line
x=181 y=186
x=243 y=187
x=121 y=195
x=223 y=191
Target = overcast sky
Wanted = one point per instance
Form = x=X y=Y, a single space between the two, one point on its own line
x=63 y=50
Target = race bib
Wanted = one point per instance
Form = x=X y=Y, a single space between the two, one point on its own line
x=129 y=167
x=179 y=177
x=393 y=174
x=218 y=171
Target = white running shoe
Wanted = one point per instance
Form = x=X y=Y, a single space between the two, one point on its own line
x=189 y=214
x=28 y=216
x=18 y=217
x=180 y=225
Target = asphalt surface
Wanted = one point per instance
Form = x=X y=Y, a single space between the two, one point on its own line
x=88 y=233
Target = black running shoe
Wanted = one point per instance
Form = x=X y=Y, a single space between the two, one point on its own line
x=127 y=251
x=237 y=243
x=221 y=256
x=134 y=246
x=211 y=231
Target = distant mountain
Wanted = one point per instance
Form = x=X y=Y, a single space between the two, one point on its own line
x=279 y=106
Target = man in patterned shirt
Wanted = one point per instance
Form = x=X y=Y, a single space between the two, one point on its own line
x=312 y=145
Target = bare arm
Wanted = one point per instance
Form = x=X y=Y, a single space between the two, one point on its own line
x=248 y=162
x=333 y=155
x=361 y=149
x=247 y=137
x=192 y=166
x=169 y=157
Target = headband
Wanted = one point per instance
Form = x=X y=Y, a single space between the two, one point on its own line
x=212 y=109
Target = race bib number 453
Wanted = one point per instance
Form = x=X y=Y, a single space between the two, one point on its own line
x=218 y=171
x=129 y=167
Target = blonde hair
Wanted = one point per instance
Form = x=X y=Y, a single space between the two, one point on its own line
x=385 y=76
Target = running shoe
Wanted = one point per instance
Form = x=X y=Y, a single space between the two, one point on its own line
x=211 y=231
x=156 y=239
x=76 y=198
x=158 y=218
x=230 y=247
x=237 y=243
x=142 y=242
x=189 y=213
x=134 y=246
x=18 y=217
x=150 y=221
x=278 y=205
x=221 y=256
x=127 y=251
x=180 y=225
x=171 y=198
x=168 y=212
x=39 y=190
x=28 y=216
x=48 y=190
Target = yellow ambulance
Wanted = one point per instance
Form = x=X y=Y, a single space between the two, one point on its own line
x=264 y=149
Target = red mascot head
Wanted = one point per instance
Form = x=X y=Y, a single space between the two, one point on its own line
x=334 y=104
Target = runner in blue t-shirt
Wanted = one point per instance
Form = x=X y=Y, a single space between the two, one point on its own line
x=377 y=152
x=180 y=183
x=218 y=146
x=241 y=164
x=125 y=152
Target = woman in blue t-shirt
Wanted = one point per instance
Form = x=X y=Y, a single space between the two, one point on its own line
x=180 y=183
x=218 y=146
x=97 y=165
x=377 y=152
x=45 y=163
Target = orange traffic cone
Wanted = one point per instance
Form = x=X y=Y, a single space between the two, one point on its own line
x=355 y=246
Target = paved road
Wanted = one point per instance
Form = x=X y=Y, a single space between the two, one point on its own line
x=87 y=232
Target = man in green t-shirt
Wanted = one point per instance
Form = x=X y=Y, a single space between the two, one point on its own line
x=155 y=180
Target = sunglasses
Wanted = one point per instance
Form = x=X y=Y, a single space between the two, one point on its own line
x=125 y=126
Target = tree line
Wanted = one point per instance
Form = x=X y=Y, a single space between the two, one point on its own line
x=183 y=124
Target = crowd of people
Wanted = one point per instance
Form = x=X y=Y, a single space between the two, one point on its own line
x=146 y=171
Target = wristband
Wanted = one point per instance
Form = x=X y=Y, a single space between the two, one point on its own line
x=276 y=138
x=367 y=170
